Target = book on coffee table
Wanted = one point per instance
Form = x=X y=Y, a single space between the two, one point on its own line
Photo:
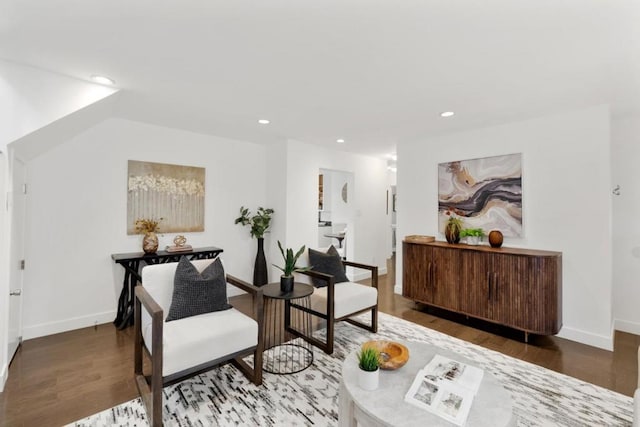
x=445 y=387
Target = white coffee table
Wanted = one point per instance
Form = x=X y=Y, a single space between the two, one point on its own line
x=386 y=406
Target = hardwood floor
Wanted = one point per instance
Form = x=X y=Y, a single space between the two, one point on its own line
x=58 y=379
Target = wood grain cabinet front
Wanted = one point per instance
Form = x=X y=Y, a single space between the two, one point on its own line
x=519 y=288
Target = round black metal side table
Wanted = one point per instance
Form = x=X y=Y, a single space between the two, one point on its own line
x=285 y=352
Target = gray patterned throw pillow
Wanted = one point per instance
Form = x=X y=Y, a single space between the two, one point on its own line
x=327 y=263
x=198 y=293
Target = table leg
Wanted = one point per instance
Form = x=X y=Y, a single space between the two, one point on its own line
x=283 y=355
x=122 y=301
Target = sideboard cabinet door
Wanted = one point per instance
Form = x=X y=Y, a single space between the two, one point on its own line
x=515 y=287
x=445 y=278
x=416 y=272
x=475 y=271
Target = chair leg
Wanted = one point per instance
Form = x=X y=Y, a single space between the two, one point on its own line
x=257 y=366
x=156 y=417
x=374 y=319
x=373 y=327
x=254 y=374
x=331 y=323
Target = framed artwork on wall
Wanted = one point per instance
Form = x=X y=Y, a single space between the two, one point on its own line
x=485 y=193
x=172 y=192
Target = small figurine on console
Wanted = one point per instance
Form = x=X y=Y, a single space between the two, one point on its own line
x=180 y=245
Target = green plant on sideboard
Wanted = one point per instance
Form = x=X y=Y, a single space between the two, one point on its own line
x=472 y=232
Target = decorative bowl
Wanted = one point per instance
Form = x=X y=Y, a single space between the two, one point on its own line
x=393 y=355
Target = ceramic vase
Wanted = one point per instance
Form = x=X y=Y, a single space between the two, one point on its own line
x=150 y=243
x=452 y=233
x=286 y=284
x=260 y=267
x=495 y=239
x=368 y=380
x=473 y=240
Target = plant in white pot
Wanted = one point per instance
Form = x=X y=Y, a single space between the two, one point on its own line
x=290 y=267
x=369 y=364
x=474 y=235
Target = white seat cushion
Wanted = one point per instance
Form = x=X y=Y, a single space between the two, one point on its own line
x=198 y=339
x=349 y=298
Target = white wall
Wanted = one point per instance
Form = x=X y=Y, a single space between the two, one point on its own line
x=29 y=99
x=77 y=215
x=32 y=98
x=303 y=161
x=566 y=205
x=625 y=153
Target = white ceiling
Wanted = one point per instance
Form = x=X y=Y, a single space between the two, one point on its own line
x=372 y=72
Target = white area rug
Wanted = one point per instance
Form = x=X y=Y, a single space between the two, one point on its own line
x=309 y=398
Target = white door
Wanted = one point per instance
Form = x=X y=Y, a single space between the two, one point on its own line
x=18 y=211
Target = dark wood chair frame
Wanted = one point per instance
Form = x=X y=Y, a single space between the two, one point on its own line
x=329 y=317
x=150 y=386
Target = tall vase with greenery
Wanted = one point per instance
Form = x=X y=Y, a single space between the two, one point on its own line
x=259 y=224
x=453 y=228
x=289 y=267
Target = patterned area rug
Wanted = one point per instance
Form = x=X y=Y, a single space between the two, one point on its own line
x=225 y=397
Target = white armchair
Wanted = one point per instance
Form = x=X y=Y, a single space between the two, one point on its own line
x=189 y=346
x=341 y=301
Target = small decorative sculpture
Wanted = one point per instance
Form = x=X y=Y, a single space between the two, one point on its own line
x=179 y=244
x=179 y=240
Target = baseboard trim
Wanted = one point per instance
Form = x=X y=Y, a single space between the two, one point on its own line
x=588 y=338
x=595 y=340
x=627 y=326
x=50 y=328
x=363 y=275
x=3 y=376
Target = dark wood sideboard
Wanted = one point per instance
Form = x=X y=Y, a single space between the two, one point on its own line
x=518 y=288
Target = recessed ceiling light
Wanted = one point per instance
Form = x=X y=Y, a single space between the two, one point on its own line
x=447 y=114
x=394 y=157
x=340 y=141
x=102 y=80
x=264 y=121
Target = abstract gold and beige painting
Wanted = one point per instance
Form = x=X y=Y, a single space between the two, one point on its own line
x=171 y=192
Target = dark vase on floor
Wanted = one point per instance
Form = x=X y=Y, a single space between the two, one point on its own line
x=286 y=284
x=260 y=268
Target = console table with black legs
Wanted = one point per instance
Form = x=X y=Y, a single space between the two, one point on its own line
x=133 y=263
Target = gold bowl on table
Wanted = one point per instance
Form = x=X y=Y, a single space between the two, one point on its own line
x=393 y=355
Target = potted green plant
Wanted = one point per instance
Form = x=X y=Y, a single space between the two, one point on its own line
x=452 y=228
x=369 y=364
x=473 y=235
x=289 y=267
x=259 y=223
